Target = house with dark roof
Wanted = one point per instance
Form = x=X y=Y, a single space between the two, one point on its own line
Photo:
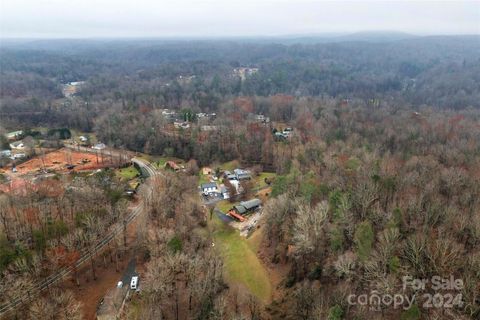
x=242 y=174
x=209 y=188
x=229 y=175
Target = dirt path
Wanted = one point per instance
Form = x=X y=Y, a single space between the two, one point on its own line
x=90 y=292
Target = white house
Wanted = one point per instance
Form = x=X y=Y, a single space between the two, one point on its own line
x=17 y=145
x=236 y=185
x=209 y=188
x=18 y=156
x=5 y=153
x=14 y=135
x=242 y=174
x=181 y=124
x=224 y=192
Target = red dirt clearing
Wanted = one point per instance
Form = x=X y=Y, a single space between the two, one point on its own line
x=57 y=161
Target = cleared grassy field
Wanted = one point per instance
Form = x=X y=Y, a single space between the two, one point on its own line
x=224 y=205
x=202 y=178
x=260 y=179
x=127 y=173
x=242 y=265
x=230 y=165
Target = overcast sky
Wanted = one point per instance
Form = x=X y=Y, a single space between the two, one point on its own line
x=205 y=18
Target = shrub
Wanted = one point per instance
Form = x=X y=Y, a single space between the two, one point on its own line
x=411 y=314
x=335 y=313
x=175 y=244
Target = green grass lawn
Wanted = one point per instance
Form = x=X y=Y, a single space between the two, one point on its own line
x=160 y=163
x=260 y=179
x=202 y=178
x=241 y=262
x=224 y=205
x=230 y=165
x=127 y=173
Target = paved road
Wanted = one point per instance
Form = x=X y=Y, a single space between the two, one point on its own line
x=86 y=254
x=148 y=169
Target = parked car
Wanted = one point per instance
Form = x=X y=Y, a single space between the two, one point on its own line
x=134 y=283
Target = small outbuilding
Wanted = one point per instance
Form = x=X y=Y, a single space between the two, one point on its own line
x=172 y=165
x=206 y=170
x=248 y=206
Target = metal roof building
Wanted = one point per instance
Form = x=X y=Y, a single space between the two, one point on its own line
x=246 y=206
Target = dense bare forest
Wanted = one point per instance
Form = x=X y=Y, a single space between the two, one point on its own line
x=371 y=148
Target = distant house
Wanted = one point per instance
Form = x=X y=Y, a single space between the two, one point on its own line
x=261 y=118
x=209 y=188
x=99 y=146
x=279 y=135
x=287 y=133
x=229 y=175
x=224 y=192
x=209 y=128
x=18 y=156
x=172 y=165
x=169 y=115
x=181 y=125
x=207 y=170
x=5 y=153
x=183 y=80
x=243 y=72
x=14 y=135
x=242 y=174
x=247 y=206
x=17 y=145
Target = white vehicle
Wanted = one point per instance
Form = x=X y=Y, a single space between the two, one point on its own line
x=134 y=283
x=119 y=284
